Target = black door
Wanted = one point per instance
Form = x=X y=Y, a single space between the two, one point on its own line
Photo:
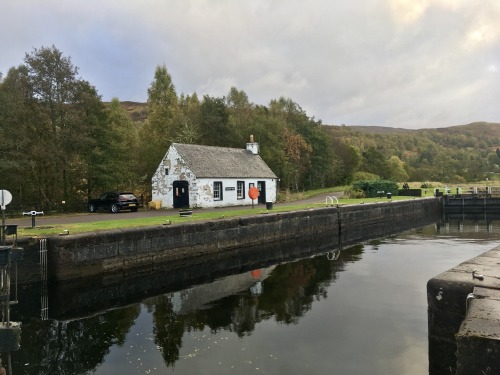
x=261 y=185
x=181 y=194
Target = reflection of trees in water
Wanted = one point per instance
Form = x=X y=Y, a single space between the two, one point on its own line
x=287 y=295
x=71 y=347
x=80 y=346
x=293 y=287
x=168 y=328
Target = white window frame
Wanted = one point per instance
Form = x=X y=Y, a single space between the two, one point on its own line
x=240 y=189
x=218 y=191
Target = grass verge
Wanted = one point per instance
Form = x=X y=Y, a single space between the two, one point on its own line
x=172 y=217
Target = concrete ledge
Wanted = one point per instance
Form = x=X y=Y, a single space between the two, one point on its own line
x=447 y=297
x=478 y=340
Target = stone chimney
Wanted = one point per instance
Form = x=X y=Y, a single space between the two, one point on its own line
x=253 y=146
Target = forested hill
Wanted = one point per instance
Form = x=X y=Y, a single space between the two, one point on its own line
x=378 y=129
x=474 y=132
x=138 y=112
x=474 y=135
x=473 y=129
x=477 y=134
x=455 y=154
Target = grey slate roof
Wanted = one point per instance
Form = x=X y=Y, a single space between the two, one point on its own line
x=223 y=162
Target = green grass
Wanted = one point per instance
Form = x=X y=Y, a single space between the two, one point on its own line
x=286 y=197
x=173 y=218
x=286 y=204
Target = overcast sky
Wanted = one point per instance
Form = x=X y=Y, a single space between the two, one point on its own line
x=398 y=63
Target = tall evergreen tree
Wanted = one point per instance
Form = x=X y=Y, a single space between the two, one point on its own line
x=124 y=145
x=189 y=121
x=15 y=134
x=158 y=132
x=215 y=123
x=241 y=115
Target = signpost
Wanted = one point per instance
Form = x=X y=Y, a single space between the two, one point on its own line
x=5 y=198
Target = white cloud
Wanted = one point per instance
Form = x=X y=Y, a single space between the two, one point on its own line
x=408 y=11
x=492 y=68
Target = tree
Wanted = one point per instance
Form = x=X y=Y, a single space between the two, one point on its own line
x=189 y=120
x=90 y=146
x=241 y=114
x=51 y=80
x=55 y=123
x=298 y=153
x=268 y=132
x=15 y=134
x=320 y=159
x=42 y=97
x=373 y=161
x=157 y=133
x=346 y=161
x=396 y=169
x=215 y=123
x=124 y=144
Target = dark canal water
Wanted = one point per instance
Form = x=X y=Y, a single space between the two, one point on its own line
x=361 y=310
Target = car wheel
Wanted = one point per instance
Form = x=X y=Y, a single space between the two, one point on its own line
x=115 y=208
x=133 y=209
x=92 y=207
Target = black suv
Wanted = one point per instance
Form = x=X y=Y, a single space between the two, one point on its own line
x=114 y=202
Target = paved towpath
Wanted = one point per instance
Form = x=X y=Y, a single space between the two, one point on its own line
x=42 y=220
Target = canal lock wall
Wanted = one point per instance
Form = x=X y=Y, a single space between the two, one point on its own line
x=464 y=317
x=162 y=258
x=126 y=251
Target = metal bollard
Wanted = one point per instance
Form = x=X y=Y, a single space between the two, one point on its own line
x=33 y=215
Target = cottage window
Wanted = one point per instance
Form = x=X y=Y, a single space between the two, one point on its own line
x=166 y=171
x=240 y=189
x=217 y=191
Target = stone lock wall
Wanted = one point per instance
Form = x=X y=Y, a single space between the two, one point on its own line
x=83 y=255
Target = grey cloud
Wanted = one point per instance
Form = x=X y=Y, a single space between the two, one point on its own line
x=375 y=62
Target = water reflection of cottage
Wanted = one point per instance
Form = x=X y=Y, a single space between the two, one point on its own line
x=208 y=176
x=201 y=296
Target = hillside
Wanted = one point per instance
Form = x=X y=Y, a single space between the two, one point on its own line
x=476 y=129
x=138 y=112
x=458 y=153
x=378 y=129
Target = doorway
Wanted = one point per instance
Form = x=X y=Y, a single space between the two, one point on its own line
x=181 y=194
x=261 y=185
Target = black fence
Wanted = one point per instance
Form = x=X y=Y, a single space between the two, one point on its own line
x=410 y=192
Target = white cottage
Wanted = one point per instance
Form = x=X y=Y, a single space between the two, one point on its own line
x=207 y=176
